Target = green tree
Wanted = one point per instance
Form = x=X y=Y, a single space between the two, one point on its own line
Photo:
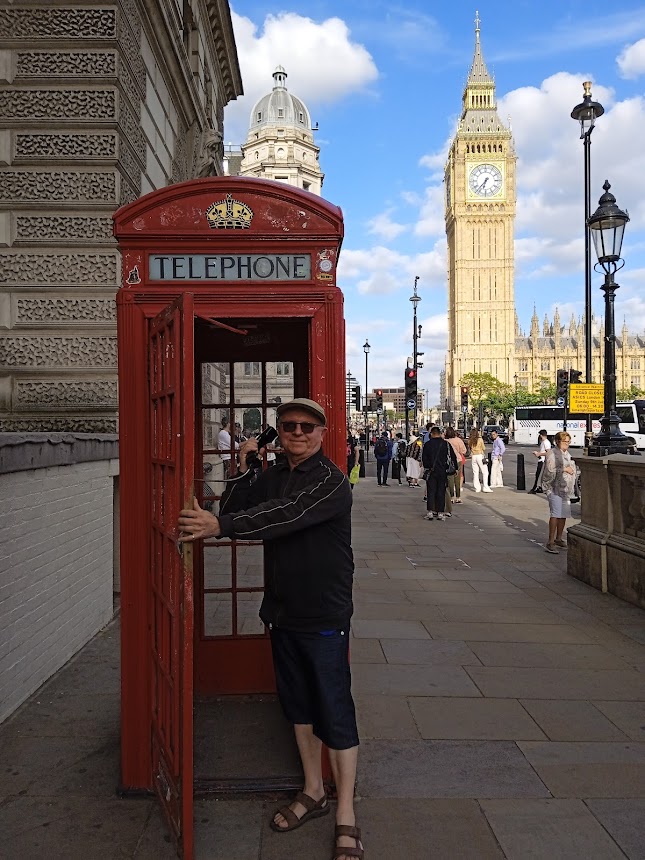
x=481 y=387
x=631 y=393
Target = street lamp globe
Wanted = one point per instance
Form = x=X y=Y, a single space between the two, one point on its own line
x=607 y=226
x=366 y=347
x=587 y=111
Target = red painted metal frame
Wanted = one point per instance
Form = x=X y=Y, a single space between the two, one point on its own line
x=172 y=220
x=171 y=368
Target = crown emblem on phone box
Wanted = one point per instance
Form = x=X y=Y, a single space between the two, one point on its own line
x=229 y=213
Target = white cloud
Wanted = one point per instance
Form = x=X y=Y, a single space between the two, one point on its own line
x=341 y=66
x=381 y=270
x=632 y=60
x=431 y=214
x=383 y=226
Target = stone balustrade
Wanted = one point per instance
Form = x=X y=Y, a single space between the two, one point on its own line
x=607 y=548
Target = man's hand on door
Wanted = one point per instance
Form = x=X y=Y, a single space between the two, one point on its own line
x=197 y=524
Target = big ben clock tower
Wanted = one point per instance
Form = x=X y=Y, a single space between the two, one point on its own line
x=480 y=216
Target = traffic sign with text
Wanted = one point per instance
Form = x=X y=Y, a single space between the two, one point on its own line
x=587 y=397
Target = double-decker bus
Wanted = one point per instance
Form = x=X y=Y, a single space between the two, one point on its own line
x=529 y=420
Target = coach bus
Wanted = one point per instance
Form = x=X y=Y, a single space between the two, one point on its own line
x=529 y=420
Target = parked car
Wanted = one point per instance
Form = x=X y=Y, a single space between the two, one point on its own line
x=502 y=432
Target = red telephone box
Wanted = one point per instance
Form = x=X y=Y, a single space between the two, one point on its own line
x=228 y=306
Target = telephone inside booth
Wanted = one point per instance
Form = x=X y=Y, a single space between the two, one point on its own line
x=228 y=307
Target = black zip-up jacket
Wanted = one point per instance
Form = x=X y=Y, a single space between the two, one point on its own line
x=304 y=518
x=435 y=455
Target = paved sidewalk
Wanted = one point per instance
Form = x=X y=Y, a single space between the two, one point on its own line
x=501 y=708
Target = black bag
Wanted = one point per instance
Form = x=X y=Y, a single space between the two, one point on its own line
x=451 y=469
x=380 y=449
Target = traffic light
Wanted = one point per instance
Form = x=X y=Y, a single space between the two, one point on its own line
x=356 y=391
x=464 y=397
x=575 y=377
x=562 y=384
x=410 y=384
x=379 y=398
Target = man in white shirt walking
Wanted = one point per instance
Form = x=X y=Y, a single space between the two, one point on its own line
x=544 y=446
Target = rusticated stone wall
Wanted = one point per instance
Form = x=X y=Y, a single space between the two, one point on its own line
x=97 y=106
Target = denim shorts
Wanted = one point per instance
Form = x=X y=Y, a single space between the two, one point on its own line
x=314 y=683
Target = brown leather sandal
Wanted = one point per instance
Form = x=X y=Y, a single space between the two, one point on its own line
x=354 y=833
x=315 y=809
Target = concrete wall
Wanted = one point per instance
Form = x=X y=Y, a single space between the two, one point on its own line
x=57 y=539
x=607 y=548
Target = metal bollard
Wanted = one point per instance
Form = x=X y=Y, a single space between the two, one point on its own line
x=521 y=478
x=361 y=463
x=490 y=466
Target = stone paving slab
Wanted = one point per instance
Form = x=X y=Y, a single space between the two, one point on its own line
x=628 y=716
x=428 y=652
x=617 y=684
x=382 y=716
x=501 y=614
x=426 y=769
x=383 y=628
x=413 y=829
x=623 y=819
x=479 y=719
x=546 y=829
x=546 y=654
x=588 y=769
x=395 y=612
x=473 y=632
x=572 y=721
x=366 y=651
x=473 y=598
x=413 y=680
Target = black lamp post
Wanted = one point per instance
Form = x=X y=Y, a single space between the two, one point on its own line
x=586 y=113
x=366 y=350
x=416 y=333
x=607 y=226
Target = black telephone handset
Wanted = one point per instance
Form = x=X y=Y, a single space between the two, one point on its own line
x=266 y=437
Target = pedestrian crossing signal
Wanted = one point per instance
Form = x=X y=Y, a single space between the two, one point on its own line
x=411 y=383
x=379 y=398
x=575 y=377
x=562 y=384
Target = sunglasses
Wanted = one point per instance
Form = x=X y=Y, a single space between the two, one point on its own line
x=306 y=426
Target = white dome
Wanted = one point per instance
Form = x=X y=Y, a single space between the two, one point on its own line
x=280 y=107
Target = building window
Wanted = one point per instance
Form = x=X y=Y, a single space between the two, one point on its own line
x=259 y=116
x=280 y=112
x=635 y=364
x=301 y=116
x=283 y=368
x=524 y=365
x=545 y=364
x=636 y=381
x=306 y=186
x=251 y=368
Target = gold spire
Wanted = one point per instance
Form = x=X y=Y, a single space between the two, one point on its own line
x=478 y=71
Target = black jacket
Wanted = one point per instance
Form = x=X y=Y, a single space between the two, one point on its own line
x=435 y=456
x=304 y=518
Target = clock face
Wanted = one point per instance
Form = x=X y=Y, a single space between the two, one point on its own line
x=485 y=180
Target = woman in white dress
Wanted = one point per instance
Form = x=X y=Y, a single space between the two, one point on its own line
x=413 y=466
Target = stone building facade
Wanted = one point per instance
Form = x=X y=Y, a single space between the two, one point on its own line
x=484 y=335
x=99 y=103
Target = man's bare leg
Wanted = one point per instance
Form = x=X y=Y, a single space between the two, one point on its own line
x=343 y=766
x=310 y=749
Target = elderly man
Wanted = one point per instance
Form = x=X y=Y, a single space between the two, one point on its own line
x=301 y=509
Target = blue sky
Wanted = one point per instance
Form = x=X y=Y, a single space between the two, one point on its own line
x=385 y=81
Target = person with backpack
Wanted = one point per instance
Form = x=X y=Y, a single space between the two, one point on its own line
x=413 y=461
x=439 y=460
x=398 y=460
x=383 y=448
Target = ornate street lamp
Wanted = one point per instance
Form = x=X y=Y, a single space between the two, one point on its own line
x=366 y=350
x=586 y=114
x=607 y=226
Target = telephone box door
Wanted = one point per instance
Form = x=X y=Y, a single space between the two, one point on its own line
x=171 y=371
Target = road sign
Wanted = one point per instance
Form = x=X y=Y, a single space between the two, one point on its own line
x=587 y=397
x=560 y=401
x=464 y=409
x=411 y=404
x=379 y=411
